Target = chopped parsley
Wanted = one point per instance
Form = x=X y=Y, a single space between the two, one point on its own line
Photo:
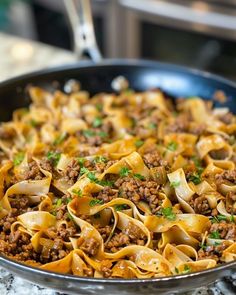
x=58 y=203
x=121 y=207
x=203 y=246
x=195 y=177
x=152 y=125
x=92 y=177
x=215 y=235
x=70 y=216
x=198 y=163
x=176 y=270
x=95 y=202
x=139 y=176
x=99 y=107
x=33 y=123
x=88 y=133
x=68 y=200
x=124 y=172
x=105 y=182
x=54 y=157
x=102 y=134
x=18 y=158
x=97 y=122
x=175 y=184
x=84 y=170
x=232 y=218
x=81 y=161
x=218 y=218
x=168 y=213
x=60 y=138
x=139 y=143
x=172 y=146
x=100 y=159
x=77 y=192
x=187 y=269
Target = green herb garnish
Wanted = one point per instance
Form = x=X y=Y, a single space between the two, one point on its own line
x=88 y=133
x=195 y=178
x=168 y=213
x=54 y=157
x=187 y=269
x=83 y=170
x=215 y=235
x=172 y=146
x=232 y=218
x=124 y=172
x=60 y=139
x=100 y=159
x=81 y=161
x=99 y=107
x=152 y=125
x=139 y=143
x=121 y=207
x=95 y=202
x=176 y=270
x=139 y=176
x=102 y=134
x=97 y=122
x=18 y=158
x=33 y=123
x=77 y=192
x=218 y=218
x=175 y=184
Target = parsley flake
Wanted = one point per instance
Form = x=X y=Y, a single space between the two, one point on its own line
x=88 y=133
x=95 y=202
x=175 y=184
x=124 y=172
x=100 y=159
x=54 y=157
x=152 y=125
x=139 y=143
x=97 y=122
x=77 y=192
x=60 y=139
x=139 y=176
x=121 y=207
x=18 y=158
x=168 y=213
x=187 y=269
x=215 y=235
x=172 y=146
x=195 y=178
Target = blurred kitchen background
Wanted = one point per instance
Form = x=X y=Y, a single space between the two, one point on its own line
x=199 y=34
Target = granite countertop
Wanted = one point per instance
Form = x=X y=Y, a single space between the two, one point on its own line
x=18 y=56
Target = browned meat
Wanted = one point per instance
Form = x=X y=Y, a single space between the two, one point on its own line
x=65 y=233
x=201 y=205
x=227 y=231
x=20 y=202
x=227 y=118
x=90 y=246
x=117 y=242
x=107 y=194
x=106 y=268
x=104 y=231
x=6 y=132
x=137 y=190
x=229 y=175
x=181 y=124
x=212 y=252
x=153 y=159
x=33 y=172
x=46 y=164
x=231 y=203
x=72 y=171
x=136 y=235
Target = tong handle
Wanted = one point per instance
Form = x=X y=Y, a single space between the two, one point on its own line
x=81 y=20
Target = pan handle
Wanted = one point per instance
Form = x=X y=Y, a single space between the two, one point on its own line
x=80 y=17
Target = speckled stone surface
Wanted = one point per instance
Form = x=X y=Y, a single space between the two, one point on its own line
x=19 y=56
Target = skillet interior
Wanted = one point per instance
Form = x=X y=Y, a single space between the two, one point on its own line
x=142 y=75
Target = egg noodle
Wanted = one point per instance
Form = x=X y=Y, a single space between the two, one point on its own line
x=128 y=185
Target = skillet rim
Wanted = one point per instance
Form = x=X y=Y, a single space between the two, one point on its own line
x=111 y=63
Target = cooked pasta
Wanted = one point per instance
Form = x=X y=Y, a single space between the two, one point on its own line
x=129 y=185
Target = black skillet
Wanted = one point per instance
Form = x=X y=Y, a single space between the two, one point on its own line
x=142 y=75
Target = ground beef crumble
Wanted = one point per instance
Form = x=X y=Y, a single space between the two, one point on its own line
x=227 y=231
x=137 y=190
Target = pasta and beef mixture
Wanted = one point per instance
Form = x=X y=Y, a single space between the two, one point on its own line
x=128 y=185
